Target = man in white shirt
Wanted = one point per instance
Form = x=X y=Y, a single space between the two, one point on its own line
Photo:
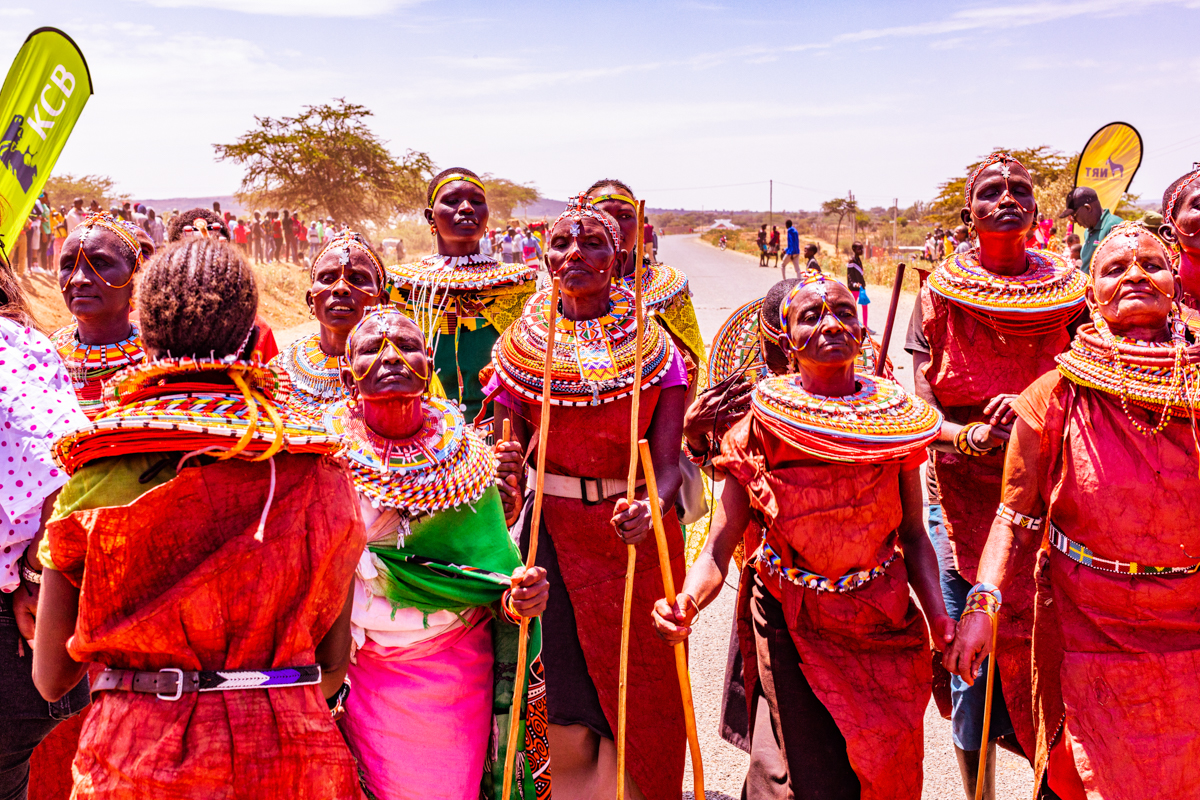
x=76 y=215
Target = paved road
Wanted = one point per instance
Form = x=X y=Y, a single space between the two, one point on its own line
x=722 y=281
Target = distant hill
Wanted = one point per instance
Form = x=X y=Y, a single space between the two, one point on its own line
x=228 y=203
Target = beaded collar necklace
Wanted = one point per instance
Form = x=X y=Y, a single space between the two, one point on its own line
x=316 y=378
x=593 y=360
x=89 y=365
x=145 y=414
x=438 y=274
x=663 y=286
x=445 y=464
x=879 y=422
x=1043 y=299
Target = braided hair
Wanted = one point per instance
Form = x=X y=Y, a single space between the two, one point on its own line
x=768 y=320
x=197 y=298
x=13 y=304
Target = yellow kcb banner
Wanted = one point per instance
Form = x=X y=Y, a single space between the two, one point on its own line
x=1109 y=161
x=46 y=89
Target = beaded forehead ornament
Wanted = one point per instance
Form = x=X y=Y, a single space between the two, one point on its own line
x=125 y=231
x=386 y=315
x=1128 y=235
x=344 y=241
x=809 y=278
x=624 y=198
x=1004 y=160
x=457 y=176
x=580 y=206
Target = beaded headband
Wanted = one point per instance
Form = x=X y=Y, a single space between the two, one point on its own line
x=345 y=240
x=580 y=206
x=376 y=312
x=809 y=278
x=1004 y=159
x=1187 y=180
x=125 y=231
x=451 y=179
x=624 y=198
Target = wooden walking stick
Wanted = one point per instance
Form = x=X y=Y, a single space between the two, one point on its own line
x=630 y=490
x=897 y=285
x=981 y=778
x=681 y=665
x=514 y=720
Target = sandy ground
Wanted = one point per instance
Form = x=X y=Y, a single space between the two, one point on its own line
x=722 y=281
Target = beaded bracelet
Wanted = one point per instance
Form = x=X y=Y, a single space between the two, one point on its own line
x=1019 y=519
x=337 y=703
x=699 y=458
x=984 y=598
x=964 y=445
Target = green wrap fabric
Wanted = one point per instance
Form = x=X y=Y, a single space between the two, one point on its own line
x=460 y=559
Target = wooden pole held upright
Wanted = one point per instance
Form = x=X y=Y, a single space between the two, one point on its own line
x=514 y=719
x=981 y=778
x=897 y=285
x=681 y=665
x=630 y=490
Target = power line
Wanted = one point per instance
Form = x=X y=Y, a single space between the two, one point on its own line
x=694 y=188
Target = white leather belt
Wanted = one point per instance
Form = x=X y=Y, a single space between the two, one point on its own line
x=592 y=491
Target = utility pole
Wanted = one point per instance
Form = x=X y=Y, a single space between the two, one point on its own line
x=895 y=235
x=853 y=217
x=771 y=204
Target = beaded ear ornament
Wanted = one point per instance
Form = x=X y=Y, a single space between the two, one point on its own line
x=384 y=314
x=122 y=231
x=1004 y=160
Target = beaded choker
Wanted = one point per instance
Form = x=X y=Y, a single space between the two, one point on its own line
x=593 y=359
x=662 y=286
x=1044 y=299
x=205 y=412
x=438 y=273
x=444 y=465
x=90 y=364
x=880 y=422
x=1155 y=376
x=316 y=378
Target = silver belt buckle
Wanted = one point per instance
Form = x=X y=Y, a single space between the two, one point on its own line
x=178 y=686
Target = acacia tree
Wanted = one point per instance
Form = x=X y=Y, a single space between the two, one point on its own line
x=1053 y=175
x=840 y=206
x=327 y=161
x=63 y=188
x=504 y=195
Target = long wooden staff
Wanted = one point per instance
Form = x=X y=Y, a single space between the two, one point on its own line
x=897 y=285
x=514 y=719
x=681 y=664
x=981 y=777
x=630 y=489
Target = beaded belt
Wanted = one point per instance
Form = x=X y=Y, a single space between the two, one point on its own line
x=1082 y=555
x=811 y=580
x=171 y=684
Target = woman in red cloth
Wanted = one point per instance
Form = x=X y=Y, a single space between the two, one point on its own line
x=1181 y=227
x=828 y=465
x=586 y=471
x=988 y=323
x=1103 y=458
x=202 y=551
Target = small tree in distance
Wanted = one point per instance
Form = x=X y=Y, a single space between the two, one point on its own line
x=840 y=206
x=327 y=161
x=63 y=188
x=504 y=195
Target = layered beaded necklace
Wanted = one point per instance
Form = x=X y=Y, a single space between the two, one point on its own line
x=663 y=286
x=89 y=365
x=879 y=422
x=316 y=377
x=445 y=464
x=593 y=360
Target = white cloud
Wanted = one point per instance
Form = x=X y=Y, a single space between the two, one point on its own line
x=16 y=12
x=294 y=8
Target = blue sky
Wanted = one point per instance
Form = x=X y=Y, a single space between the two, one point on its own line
x=695 y=103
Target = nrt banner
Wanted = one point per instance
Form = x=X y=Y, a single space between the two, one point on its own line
x=46 y=89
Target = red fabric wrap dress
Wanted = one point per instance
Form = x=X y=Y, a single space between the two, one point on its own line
x=593 y=442
x=1116 y=656
x=969 y=364
x=864 y=652
x=176 y=579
